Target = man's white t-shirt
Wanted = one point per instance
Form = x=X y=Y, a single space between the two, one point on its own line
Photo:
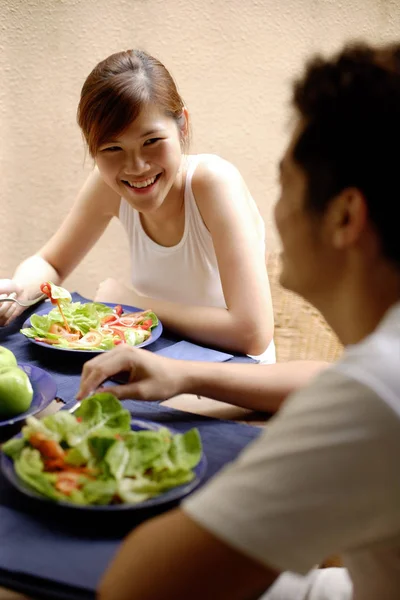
x=324 y=478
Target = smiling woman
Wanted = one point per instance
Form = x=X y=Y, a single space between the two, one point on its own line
x=142 y=167
x=196 y=237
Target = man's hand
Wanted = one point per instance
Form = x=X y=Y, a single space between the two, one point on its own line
x=150 y=377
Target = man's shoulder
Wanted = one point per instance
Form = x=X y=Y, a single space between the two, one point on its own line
x=375 y=362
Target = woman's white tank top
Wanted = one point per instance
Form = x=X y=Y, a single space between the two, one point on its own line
x=187 y=272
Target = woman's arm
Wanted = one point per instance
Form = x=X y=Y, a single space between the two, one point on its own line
x=230 y=215
x=93 y=209
x=232 y=218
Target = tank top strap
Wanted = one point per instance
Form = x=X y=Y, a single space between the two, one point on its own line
x=192 y=162
x=193 y=216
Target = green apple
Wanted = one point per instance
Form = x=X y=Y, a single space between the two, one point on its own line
x=7 y=358
x=16 y=391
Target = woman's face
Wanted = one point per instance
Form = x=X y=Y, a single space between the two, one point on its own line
x=142 y=163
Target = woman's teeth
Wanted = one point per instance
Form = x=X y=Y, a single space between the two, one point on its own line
x=141 y=184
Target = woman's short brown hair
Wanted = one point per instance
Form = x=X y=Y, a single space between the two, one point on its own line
x=117 y=90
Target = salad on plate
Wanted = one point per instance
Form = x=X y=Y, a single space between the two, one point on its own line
x=93 y=457
x=87 y=326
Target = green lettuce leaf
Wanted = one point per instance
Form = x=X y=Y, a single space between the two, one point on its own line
x=34 y=425
x=61 y=423
x=100 y=445
x=96 y=412
x=59 y=293
x=133 y=337
x=29 y=332
x=154 y=319
x=185 y=450
x=117 y=458
x=99 y=492
x=79 y=455
x=14 y=447
x=153 y=487
x=145 y=448
x=29 y=467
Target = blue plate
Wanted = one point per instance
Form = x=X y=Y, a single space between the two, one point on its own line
x=155 y=333
x=171 y=495
x=44 y=391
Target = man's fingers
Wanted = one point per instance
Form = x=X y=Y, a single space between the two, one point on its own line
x=129 y=391
x=102 y=367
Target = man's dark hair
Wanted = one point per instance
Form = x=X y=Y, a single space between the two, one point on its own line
x=350 y=106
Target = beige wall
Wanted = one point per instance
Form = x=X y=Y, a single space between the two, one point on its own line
x=233 y=60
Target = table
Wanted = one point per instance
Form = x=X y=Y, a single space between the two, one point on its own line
x=73 y=566
x=66 y=367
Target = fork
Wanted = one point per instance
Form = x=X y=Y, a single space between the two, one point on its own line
x=25 y=304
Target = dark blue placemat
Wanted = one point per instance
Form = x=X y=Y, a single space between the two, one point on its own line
x=46 y=550
x=66 y=367
x=188 y=351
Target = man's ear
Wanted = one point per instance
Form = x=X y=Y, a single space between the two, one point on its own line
x=348 y=217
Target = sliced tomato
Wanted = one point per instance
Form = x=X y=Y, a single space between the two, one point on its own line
x=117 y=327
x=46 y=289
x=92 y=338
x=129 y=321
x=72 y=337
x=48 y=448
x=138 y=315
x=62 y=332
x=67 y=482
x=57 y=329
x=109 y=319
x=54 y=464
x=146 y=324
x=118 y=310
x=118 y=331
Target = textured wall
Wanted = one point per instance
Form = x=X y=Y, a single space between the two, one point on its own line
x=233 y=61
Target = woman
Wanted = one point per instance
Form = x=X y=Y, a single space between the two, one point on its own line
x=196 y=236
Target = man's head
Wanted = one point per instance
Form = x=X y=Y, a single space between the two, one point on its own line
x=341 y=173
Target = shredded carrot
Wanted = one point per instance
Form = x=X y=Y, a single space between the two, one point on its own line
x=67 y=327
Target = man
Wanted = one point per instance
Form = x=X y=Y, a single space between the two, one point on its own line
x=323 y=479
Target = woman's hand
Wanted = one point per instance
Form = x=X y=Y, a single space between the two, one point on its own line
x=10 y=310
x=150 y=377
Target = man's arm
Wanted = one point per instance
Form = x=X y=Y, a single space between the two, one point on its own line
x=153 y=377
x=257 y=387
x=171 y=556
x=322 y=479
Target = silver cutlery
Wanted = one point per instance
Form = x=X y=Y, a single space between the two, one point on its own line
x=24 y=304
